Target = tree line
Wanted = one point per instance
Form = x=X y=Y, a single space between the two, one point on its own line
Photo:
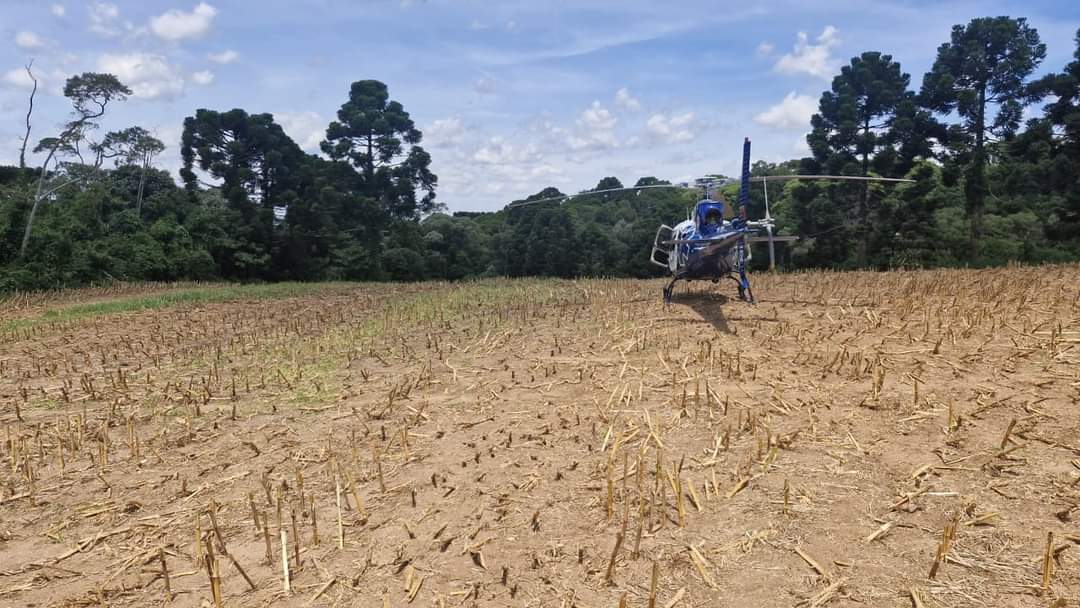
x=994 y=155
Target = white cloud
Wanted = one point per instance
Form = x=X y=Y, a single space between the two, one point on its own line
x=1035 y=110
x=50 y=81
x=800 y=146
x=793 y=112
x=58 y=10
x=498 y=170
x=28 y=40
x=175 y=24
x=592 y=130
x=149 y=76
x=677 y=128
x=170 y=133
x=444 y=133
x=226 y=56
x=624 y=99
x=103 y=19
x=595 y=130
x=203 y=77
x=104 y=10
x=18 y=77
x=597 y=117
x=813 y=59
x=600 y=140
x=498 y=151
x=765 y=49
x=306 y=128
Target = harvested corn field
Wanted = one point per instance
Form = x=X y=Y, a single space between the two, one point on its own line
x=855 y=439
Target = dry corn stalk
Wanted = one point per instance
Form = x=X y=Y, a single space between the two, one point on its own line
x=947 y=536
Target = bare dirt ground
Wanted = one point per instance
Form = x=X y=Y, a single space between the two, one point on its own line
x=855 y=439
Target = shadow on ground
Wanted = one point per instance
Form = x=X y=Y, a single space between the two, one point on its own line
x=708 y=305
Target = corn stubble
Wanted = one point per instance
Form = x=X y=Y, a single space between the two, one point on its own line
x=854 y=437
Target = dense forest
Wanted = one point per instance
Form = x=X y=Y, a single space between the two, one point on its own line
x=989 y=187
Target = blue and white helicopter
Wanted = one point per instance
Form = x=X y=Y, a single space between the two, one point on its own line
x=706 y=246
x=709 y=246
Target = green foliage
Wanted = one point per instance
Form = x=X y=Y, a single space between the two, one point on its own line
x=980 y=74
x=252 y=156
x=866 y=124
x=90 y=92
x=367 y=211
x=456 y=247
x=175 y=297
x=379 y=138
x=132 y=146
x=1064 y=113
x=135 y=147
x=852 y=125
x=608 y=183
x=651 y=181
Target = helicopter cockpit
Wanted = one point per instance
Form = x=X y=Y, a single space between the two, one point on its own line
x=709 y=218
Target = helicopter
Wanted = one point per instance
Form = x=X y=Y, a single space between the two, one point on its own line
x=708 y=245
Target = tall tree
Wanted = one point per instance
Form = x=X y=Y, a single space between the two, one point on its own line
x=651 y=181
x=259 y=167
x=90 y=93
x=250 y=153
x=912 y=137
x=133 y=146
x=1064 y=112
x=608 y=183
x=852 y=127
x=333 y=229
x=981 y=75
x=549 y=192
x=456 y=247
x=378 y=137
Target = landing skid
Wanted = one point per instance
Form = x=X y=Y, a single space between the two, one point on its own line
x=745 y=293
x=668 y=290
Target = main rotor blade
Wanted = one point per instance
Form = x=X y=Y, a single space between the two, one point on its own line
x=713 y=183
x=591 y=192
x=855 y=178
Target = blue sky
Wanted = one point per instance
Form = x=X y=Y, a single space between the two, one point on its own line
x=512 y=96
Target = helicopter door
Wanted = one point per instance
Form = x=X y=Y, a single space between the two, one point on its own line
x=661 y=253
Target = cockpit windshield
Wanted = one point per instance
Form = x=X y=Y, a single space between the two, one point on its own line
x=710 y=216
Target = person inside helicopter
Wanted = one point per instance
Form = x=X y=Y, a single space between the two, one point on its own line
x=714 y=222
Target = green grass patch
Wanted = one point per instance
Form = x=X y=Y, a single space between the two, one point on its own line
x=45 y=403
x=180 y=297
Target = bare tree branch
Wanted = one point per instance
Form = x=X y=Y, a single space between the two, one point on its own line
x=29 y=111
x=86 y=89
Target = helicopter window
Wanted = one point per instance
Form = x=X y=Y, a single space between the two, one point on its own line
x=713 y=218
